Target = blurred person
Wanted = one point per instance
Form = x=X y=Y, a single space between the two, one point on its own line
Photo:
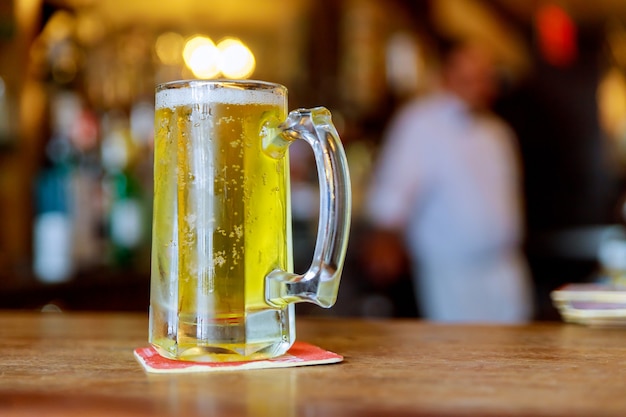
x=448 y=183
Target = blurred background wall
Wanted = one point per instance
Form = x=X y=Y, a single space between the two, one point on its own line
x=76 y=94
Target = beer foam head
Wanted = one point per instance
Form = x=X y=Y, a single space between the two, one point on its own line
x=214 y=92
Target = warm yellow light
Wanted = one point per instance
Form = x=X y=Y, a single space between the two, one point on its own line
x=59 y=26
x=237 y=61
x=202 y=57
x=169 y=47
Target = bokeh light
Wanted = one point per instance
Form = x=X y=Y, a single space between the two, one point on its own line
x=231 y=58
x=169 y=48
x=237 y=61
x=202 y=57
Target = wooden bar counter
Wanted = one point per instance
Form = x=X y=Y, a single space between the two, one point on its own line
x=81 y=364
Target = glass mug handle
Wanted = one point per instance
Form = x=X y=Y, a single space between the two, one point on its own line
x=320 y=284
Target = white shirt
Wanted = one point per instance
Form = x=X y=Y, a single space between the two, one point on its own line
x=449 y=179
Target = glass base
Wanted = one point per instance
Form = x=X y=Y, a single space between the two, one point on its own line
x=258 y=335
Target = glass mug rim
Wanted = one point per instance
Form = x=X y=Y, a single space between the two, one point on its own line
x=224 y=83
x=189 y=92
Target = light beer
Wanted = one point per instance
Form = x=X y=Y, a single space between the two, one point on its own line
x=221 y=210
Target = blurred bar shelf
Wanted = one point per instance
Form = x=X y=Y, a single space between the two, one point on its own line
x=97 y=290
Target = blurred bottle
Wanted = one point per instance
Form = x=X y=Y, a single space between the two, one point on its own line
x=8 y=128
x=68 y=193
x=86 y=187
x=53 y=227
x=52 y=240
x=125 y=208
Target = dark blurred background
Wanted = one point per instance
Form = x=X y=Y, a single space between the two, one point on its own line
x=76 y=94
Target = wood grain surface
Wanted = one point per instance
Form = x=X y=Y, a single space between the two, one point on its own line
x=81 y=364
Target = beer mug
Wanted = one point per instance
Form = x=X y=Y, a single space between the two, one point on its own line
x=222 y=280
